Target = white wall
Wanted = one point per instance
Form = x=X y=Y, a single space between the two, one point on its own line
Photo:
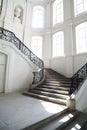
x=22 y=74
x=79 y=60
x=63 y=65
x=81 y=98
x=68 y=65
x=18 y=69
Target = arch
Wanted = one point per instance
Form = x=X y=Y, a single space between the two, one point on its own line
x=81 y=37
x=38 y=17
x=57 y=11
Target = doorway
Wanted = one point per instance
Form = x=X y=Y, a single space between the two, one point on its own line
x=2 y=71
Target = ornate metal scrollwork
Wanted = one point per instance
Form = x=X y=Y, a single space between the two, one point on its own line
x=78 y=78
x=10 y=37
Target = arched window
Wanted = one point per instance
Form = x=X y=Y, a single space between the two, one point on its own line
x=81 y=38
x=80 y=6
x=57 y=12
x=38 y=17
x=36 y=45
x=58 y=44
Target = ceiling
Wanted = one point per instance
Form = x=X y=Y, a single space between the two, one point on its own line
x=44 y=1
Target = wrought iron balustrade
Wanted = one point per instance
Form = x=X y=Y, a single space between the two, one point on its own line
x=78 y=79
x=10 y=37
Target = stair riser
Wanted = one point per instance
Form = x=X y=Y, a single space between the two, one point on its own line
x=46 y=99
x=50 y=95
x=53 y=87
x=53 y=91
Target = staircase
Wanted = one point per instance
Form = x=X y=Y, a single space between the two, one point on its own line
x=55 y=88
x=65 y=120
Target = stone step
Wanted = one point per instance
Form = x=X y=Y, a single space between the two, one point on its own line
x=56 y=122
x=60 y=96
x=54 y=87
x=43 y=122
x=58 y=79
x=66 y=119
x=57 y=84
x=78 y=123
x=67 y=122
x=52 y=90
x=60 y=84
x=46 y=98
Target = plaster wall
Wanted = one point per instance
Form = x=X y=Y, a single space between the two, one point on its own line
x=81 y=102
x=18 y=73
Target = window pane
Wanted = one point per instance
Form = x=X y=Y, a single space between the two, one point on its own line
x=80 y=6
x=38 y=17
x=57 y=12
x=36 y=45
x=58 y=44
x=81 y=38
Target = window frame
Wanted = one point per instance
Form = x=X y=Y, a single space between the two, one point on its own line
x=55 y=11
x=76 y=7
x=37 y=14
x=53 y=46
x=34 y=38
x=77 y=38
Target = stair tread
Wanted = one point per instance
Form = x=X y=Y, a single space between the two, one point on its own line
x=67 y=122
x=61 y=96
x=57 y=84
x=62 y=81
x=52 y=90
x=55 y=100
x=80 y=121
x=54 y=87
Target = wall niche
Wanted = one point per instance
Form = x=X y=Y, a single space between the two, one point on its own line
x=18 y=14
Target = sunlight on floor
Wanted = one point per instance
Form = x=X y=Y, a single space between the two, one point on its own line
x=76 y=127
x=73 y=129
x=66 y=118
x=52 y=108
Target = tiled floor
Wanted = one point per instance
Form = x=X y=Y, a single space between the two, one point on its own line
x=18 y=111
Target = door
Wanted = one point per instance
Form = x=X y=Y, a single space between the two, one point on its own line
x=2 y=71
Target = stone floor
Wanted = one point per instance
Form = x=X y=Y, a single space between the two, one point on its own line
x=18 y=111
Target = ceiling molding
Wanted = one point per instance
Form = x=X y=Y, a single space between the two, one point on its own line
x=40 y=1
